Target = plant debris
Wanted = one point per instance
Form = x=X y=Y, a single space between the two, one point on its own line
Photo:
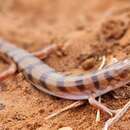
x=65 y=128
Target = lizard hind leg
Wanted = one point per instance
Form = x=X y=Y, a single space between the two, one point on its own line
x=45 y=52
x=10 y=70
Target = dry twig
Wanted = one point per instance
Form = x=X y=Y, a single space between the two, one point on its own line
x=116 y=118
x=73 y=105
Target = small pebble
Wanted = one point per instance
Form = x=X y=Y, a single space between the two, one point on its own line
x=88 y=64
x=85 y=56
x=2 y=106
x=65 y=128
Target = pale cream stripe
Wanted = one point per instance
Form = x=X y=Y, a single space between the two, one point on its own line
x=52 y=82
x=27 y=62
x=38 y=71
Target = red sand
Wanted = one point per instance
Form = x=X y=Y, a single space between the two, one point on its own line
x=98 y=27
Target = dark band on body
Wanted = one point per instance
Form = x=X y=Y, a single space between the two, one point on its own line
x=80 y=85
x=108 y=76
x=95 y=81
x=28 y=70
x=42 y=80
x=61 y=85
